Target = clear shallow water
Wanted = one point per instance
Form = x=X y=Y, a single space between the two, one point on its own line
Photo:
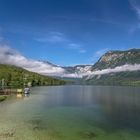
x=72 y=113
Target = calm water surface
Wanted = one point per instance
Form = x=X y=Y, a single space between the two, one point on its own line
x=72 y=113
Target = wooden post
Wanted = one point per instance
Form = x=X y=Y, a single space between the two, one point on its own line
x=2 y=83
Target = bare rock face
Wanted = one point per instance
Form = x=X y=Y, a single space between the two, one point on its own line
x=116 y=68
x=113 y=59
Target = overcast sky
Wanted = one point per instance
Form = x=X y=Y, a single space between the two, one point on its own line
x=68 y=32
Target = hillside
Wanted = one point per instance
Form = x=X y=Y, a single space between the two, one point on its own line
x=76 y=70
x=113 y=68
x=116 y=68
x=121 y=78
x=113 y=59
x=17 y=77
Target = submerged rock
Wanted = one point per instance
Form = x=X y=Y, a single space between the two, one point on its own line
x=37 y=124
x=88 y=134
x=7 y=134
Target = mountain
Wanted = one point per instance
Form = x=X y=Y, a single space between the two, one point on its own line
x=113 y=59
x=78 y=68
x=49 y=63
x=16 y=59
x=18 y=77
x=76 y=71
x=121 y=78
x=42 y=67
x=116 y=68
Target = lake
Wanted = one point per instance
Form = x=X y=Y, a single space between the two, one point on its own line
x=72 y=113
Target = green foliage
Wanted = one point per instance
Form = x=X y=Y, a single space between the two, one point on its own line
x=2 y=98
x=17 y=77
x=114 y=59
x=121 y=78
x=118 y=58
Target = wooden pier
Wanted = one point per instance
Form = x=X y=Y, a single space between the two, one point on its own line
x=8 y=91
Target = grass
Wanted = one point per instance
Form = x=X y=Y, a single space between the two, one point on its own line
x=2 y=98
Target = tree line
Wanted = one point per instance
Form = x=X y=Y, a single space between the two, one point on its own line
x=11 y=76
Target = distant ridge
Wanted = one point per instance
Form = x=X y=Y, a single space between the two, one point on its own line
x=112 y=59
x=18 y=77
x=116 y=68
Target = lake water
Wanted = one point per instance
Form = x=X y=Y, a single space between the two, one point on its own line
x=72 y=113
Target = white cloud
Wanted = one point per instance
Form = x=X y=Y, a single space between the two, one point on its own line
x=82 y=51
x=58 y=37
x=136 y=6
x=72 y=75
x=12 y=57
x=90 y=74
x=55 y=38
x=77 y=47
x=52 y=37
x=123 y=68
x=74 y=46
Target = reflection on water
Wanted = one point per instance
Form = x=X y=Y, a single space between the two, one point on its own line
x=20 y=95
x=73 y=113
x=119 y=105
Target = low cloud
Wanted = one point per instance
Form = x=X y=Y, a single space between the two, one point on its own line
x=90 y=74
x=12 y=57
x=72 y=75
x=123 y=68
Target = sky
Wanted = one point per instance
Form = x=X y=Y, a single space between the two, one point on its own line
x=69 y=32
